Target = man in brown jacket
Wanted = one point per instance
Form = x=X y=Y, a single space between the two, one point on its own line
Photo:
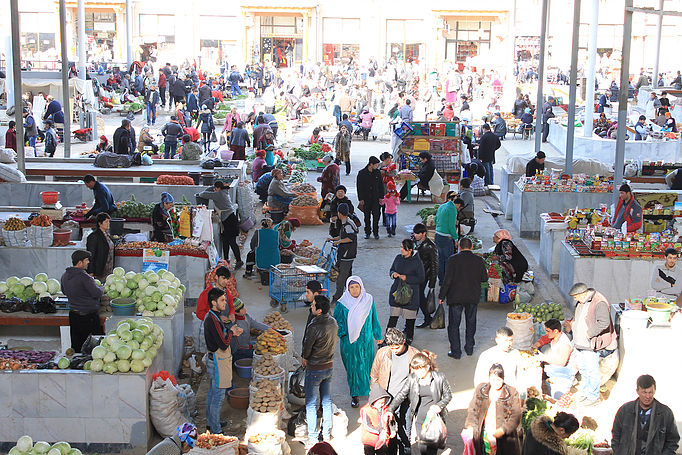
x=390 y=370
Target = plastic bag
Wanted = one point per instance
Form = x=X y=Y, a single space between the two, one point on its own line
x=433 y=433
x=297 y=426
x=185 y=229
x=431 y=301
x=308 y=216
x=273 y=445
x=403 y=295
x=297 y=382
x=438 y=320
x=163 y=407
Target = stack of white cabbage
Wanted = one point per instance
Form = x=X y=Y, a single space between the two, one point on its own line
x=157 y=293
x=27 y=288
x=25 y=446
x=131 y=347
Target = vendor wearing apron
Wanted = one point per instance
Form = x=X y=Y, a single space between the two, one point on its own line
x=161 y=227
x=219 y=358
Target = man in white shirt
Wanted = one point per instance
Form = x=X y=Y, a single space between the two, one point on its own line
x=666 y=278
x=556 y=360
x=501 y=353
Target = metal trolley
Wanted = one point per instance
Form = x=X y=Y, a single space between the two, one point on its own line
x=288 y=281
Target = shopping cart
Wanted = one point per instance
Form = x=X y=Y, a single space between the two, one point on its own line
x=288 y=281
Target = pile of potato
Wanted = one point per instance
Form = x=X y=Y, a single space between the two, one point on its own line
x=304 y=201
x=270 y=342
x=266 y=366
x=268 y=397
x=270 y=438
x=277 y=322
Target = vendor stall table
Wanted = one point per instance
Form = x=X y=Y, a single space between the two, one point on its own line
x=616 y=278
x=58 y=319
x=97 y=412
x=507 y=182
x=171 y=350
x=189 y=270
x=604 y=150
x=552 y=234
x=72 y=194
x=528 y=205
x=77 y=167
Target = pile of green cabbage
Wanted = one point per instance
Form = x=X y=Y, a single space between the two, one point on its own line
x=27 y=288
x=25 y=446
x=131 y=347
x=157 y=293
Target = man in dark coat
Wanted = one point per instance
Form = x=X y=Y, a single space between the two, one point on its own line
x=537 y=164
x=462 y=288
x=370 y=189
x=487 y=146
x=547 y=113
x=645 y=426
x=428 y=253
x=121 y=138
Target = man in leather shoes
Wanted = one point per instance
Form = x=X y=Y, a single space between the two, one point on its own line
x=461 y=287
x=428 y=253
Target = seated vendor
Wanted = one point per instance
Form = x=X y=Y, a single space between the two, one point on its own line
x=556 y=359
x=104 y=201
x=279 y=197
x=161 y=221
x=241 y=346
x=424 y=175
x=514 y=264
x=104 y=145
x=536 y=165
x=666 y=278
x=263 y=183
x=628 y=210
x=262 y=241
x=145 y=142
x=285 y=230
x=602 y=125
x=669 y=125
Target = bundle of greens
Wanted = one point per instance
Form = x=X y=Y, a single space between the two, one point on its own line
x=426 y=212
x=534 y=407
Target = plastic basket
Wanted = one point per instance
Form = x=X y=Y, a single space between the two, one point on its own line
x=123 y=307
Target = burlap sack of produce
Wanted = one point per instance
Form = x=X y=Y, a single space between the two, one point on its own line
x=231 y=448
x=14 y=238
x=523 y=333
x=278 y=378
x=262 y=421
x=308 y=216
x=163 y=407
x=274 y=444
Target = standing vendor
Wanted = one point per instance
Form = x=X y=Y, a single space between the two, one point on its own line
x=667 y=277
x=628 y=210
x=83 y=294
x=161 y=227
x=104 y=201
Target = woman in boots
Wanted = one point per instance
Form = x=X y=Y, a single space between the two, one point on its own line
x=407 y=267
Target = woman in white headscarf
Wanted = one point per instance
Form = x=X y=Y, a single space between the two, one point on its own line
x=359 y=326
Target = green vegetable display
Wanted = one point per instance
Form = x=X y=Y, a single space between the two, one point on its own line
x=542 y=312
x=534 y=407
x=220 y=114
x=25 y=446
x=156 y=294
x=27 y=288
x=425 y=212
x=313 y=153
x=134 y=209
x=131 y=347
x=582 y=439
x=134 y=107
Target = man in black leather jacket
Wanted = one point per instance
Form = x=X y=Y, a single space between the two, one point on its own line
x=428 y=253
x=319 y=344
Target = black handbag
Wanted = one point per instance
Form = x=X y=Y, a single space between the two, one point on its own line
x=438 y=320
x=431 y=301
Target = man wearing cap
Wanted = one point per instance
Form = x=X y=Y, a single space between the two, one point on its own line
x=536 y=165
x=370 y=188
x=594 y=338
x=347 y=243
x=83 y=294
x=171 y=132
x=627 y=211
x=241 y=345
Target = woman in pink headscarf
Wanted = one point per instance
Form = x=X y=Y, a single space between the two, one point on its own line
x=514 y=264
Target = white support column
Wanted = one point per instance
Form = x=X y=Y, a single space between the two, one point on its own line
x=657 y=54
x=591 y=69
x=82 y=42
x=129 y=32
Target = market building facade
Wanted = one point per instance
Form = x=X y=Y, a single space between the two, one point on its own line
x=493 y=34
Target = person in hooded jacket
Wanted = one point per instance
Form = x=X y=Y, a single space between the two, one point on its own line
x=378 y=427
x=407 y=267
x=546 y=436
x=206 y=126
x=428 y=391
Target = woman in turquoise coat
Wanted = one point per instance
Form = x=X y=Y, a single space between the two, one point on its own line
x=359 y=326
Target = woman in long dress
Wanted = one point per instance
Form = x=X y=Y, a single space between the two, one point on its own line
x=359 y=326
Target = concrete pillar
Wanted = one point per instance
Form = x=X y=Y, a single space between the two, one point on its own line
x=657 y=54
x=9 y=74
x=591 y=69
x=544 y=18
x=16 y=73
x=129 y=32
x=623 y=100
x=66 y=96
x=82 y=42
x=573 y=81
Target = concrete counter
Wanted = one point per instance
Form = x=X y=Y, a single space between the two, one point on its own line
x=551 y=237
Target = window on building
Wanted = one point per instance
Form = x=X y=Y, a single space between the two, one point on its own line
x=280 y=26
x=470 y=37
x=159 y=26
x=37 y=43
x=404 y=39
x=341 y=37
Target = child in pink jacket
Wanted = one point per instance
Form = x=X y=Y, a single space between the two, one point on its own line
x=391 y=201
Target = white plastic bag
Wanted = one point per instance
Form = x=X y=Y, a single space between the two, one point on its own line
x=186 y=400
x=163 y=407
x=7 y=155
x=40 y=236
